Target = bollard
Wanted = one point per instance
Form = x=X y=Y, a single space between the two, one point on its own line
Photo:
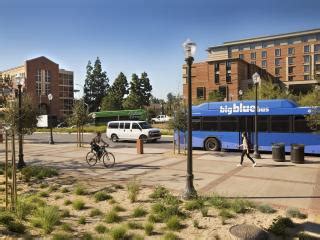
x=139 y=146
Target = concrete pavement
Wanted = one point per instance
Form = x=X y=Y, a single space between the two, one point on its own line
x=279 y=183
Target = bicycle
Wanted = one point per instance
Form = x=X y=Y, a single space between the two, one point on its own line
x=108 y=158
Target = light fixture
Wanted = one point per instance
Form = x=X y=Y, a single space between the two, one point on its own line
x=189 y=48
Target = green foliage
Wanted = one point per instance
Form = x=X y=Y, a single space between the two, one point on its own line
x=53 y=188
x=61 y=236
x=179 y=121
x=65 y=190
x=215 y=96
x=204 y=211
x=112 y=217
x=219 y=202
x=95 y=212
x=139 y=212
x=16 y=227
x=80 y=190
x=100 y=228
x=96 y=85
x=6 y=217
x=266 y=209
x=67 y=202
x=295 y=213
x=79 y=115
x=78 y=204
x=163 y=212
x=43 y=194
x=29 y=115
x=159 y=192
x=225 y=214
x=65 y=213
x=102 y=196
x=195 y=223
x=82 y=220
x=170 y=236
x=24 y=208
x=66 y=227
x=38 y=172
x=86 y=236
x=279 y=225
x=134 y=225
x=241 y=206
x=148 y=228
x=118 y=233
x=118 y=208
x=173 y=223
x=133 y=188
x=46 y=218
x=57 y=197
x=194 y=204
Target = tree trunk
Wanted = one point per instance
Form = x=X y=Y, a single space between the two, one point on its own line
x=179 y=142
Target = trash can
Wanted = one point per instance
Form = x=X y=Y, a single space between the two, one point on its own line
x=278 y=152
x=297 y=153
x=139 y=146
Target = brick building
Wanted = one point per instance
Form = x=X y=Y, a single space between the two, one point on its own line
x=43 y=76
x=291 y=60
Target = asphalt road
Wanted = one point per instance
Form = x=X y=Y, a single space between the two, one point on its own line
x=65 y=138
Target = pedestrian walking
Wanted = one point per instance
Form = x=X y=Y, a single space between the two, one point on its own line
x=245 y=149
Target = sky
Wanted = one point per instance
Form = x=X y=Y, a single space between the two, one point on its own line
x=133 y=36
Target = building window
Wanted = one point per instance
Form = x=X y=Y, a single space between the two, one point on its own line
x=277 y=71
x=276 y=80
x=216 y=78
x=291 y=51
x=317 y=47
x=264 y=64
x=241 y=56
x=317 y=58
x=277 y=62
x=201 y=91
x=290 y=60
x=264 y=54
x=228 y=78
x=253 y=62
x=306 y=49
x=306 y=77
x=290 y=70
x=264 y=45
x=317 y=67
x=228 y=65
x=290 y=78
x=306 y=59
x=306 y=68
x=253 y=55
x=277 y=52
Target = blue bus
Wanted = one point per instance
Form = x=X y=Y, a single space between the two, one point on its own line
x=218 y=125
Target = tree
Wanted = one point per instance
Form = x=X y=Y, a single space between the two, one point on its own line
x=215 y=96
x=96 y=85
x=114 y=98
x=29 y=115
x=312 y=99
x=145 y=89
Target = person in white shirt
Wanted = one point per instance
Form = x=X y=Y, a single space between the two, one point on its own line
x=245 y=150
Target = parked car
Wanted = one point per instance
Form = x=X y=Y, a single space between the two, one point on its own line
x=62 y=125
x=160 y=119
x=131 y=130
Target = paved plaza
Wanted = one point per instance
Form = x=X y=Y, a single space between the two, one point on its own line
x=280 y=183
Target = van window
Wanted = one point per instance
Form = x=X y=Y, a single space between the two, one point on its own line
x=113 y=125
x=127 y=125
x=121 y=125
x=135 y=126
x=145 y=125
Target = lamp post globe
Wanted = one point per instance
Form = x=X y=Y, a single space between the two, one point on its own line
x=240 y=94
x=50 y=98
x=189 y=51
x=256 y=80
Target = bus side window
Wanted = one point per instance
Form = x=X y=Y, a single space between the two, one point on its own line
x=280 y=124
x=196 y=124
x=229 y=124
x=210 y=123
x=263 y=123
x=301 y=124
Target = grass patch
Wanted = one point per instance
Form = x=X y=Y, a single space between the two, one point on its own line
x=86 y=236
x=46 y=218
x=80 y=190
x=225 y=215
x=241 y=206
x=163 y=212
x=133 y=188
x=65 y=190
x=159 y=192
x=66 y=227
x=134 y=225
x=136 y=236
x=148 y=228
x=266 y=209
x=53 y=188
x=65 y=213
x=57 y=197
x=170 y=236
x=112 y=217
x=43 y=194
x=118 y=233
x=204 y=211
x=295 y=213
x=82 y=220
x=61 y=236
x=118 y=208
x=16 y=227
x=38 y=172
x=78 y=204
x=195 y=223
x=219 y=202
x=6 y=217
x=194 y=204
x=24 y=208
x=100 y=228
x=101 y=196
x=95 y=212
x=139 y=212
x=279 y=225
x=67 y=202
x=44 y=185
x=173 y=223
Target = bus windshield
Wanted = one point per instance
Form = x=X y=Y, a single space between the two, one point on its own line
x=144 y=125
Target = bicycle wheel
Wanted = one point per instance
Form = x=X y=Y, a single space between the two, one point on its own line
x=91 y=158
x=108 y=160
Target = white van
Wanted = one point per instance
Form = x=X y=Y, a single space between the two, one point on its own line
x=132 y=130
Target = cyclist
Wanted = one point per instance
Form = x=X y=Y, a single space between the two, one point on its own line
x=96 y=144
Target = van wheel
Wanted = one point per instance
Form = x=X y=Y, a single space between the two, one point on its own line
x=144 y=138
x=212 y=144
x=114 y=138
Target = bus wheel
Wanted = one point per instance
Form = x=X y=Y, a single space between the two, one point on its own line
x=114 y=138
x=212 y=144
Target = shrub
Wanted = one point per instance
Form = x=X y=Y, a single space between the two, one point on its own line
x=61 y=236
x=279 y=225
x=24 y=208
x=46 y=218
x=225 y=214
x=266 y=209
x=204 y=211
x=82 y=220
x=136 y=237
x=173 y=223
x=6 y=217
x=112 y=217
x=101 y=196
x=65 y=213
x=34 y=199
x=133 y=188
x=170 y=236
x=57 y=197
x=112 y=201
x=78 y=204
x=16 y=227
x=67 y=202
x=171 y=200
x=219 y=202
x=159 y=192
x=44 y=185
x=139 y=212
x=80 y=190
x=148 y=228
x=43 y=194
x=118 y=208
x=241 y=206
x=194 y=204
x=38 y=172
x=66 y=227
x=86 y=236
x=295 y=213
x=100 y=228
x=118 y=233
x=134 y=225
x=65 y=190
x=195 y=223
x=53 y=188
x=95 y=212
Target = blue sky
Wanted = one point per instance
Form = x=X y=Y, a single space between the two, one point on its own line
x=133 y=36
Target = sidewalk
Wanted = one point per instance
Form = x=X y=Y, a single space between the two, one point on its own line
x=280 y=183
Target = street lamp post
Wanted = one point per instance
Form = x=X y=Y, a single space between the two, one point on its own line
x=50 y=97
x=189 y=48
x=256 y=80
x=20 y=82
x=240 y=94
